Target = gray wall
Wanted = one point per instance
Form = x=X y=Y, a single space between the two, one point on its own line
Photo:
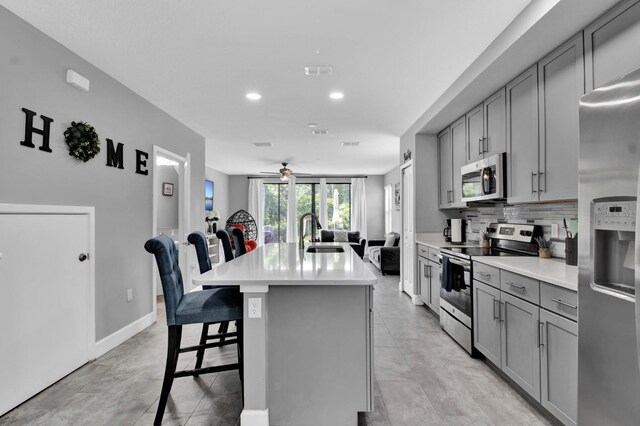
x=33 y=73
x=220 y=193
x=238 y=193
x=391 y=178
x=425 y=162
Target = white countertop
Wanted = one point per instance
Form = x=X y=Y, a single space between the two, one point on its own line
x=284 y=264
x=436 y=240
x=553 y=271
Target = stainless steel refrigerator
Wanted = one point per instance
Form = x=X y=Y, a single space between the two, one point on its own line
x=608 y=363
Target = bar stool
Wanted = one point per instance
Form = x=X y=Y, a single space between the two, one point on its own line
x=197 y=307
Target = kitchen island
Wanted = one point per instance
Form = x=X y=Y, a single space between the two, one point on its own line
x=308 y=333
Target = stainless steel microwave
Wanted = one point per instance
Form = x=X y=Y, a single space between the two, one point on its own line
x=485 y=179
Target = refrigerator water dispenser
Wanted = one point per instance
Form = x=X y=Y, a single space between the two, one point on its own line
x=614 y=226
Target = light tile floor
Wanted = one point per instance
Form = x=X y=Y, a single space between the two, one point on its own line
x=422 y=378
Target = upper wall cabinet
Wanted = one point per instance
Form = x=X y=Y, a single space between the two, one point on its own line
x=611 y=45
x=561 y=84
x=486 y=128
x=452 y=155
x=522 y=138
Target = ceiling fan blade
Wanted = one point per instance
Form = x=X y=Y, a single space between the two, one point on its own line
x=270 y=173
x=302 y=174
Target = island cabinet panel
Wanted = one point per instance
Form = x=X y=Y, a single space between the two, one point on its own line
x=458 y=150
x=611 y=45
x=520 y=343
x=445 y=161
x=559 y=369
x=319 y=354
x=475 y=134
x=486 y=321
x=522 y=138
x=561 y=84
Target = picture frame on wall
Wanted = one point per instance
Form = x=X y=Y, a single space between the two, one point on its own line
x=167 y=189
x=208 y=195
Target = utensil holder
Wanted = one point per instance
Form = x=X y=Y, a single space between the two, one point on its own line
x=571 y=251
x=544 y=252
x=485 y=243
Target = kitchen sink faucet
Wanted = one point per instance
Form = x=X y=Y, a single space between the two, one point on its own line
x=300 y=227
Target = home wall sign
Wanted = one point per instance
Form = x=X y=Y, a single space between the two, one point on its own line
x=115 y=154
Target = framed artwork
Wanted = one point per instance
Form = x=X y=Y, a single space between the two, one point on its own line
x=208 y=195
x=396 y=196
x=167 y=189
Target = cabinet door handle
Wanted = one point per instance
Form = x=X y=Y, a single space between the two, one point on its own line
x=533 y=176
x=450 y=196
x=485 y=145
x=502 y=312
x=484 y=274
x=562 y=302
x=424 y=271
x=540 y=333
x=519 y=287
x=496 y=309
x=480 y=146
x=429 y=266
x=540 y=179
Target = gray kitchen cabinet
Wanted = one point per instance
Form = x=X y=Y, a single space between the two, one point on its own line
x=458 y=148
x=486 y=321
x=475 y=133
x=611 y=45
x=429 y=278
x=445 y=169
x=520 y=339
x=559 y=367
x=522 y=137
x=561 y=84
x=486 y=128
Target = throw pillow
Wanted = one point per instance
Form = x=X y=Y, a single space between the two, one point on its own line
x=340 y=237
x=390 y=240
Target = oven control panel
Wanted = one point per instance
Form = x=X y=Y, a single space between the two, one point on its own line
x=615 y=215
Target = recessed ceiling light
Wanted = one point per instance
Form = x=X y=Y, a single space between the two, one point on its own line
x=312 y=125
x=262 y=144
x=350 y=143
x=319 y=132
x=336 y=95
x=253 y=96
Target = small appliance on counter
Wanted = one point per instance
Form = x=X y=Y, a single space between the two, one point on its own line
x=457 y=231
x=446 y=233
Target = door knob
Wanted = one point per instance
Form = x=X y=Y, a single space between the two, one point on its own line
x=83 y=257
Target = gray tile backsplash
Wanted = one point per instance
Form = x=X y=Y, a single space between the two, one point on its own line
x=478 y=217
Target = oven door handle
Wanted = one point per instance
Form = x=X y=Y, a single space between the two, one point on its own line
x=460 y=263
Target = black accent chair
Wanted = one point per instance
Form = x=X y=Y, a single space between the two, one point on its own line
x=387 y=259
x=357 y=244
x=196 y=307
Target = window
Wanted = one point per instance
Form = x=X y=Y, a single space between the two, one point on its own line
x=388 y=208
x=307 y=200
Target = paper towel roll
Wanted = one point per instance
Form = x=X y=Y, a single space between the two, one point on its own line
x=456 y=231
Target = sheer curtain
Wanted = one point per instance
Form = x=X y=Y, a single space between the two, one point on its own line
x=322 y=212
x=291 y=211
x=256 y=206
x=359 y=207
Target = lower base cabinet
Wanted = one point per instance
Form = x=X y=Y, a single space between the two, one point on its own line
x=559 y=369
x=535 y=348
x=429 y=279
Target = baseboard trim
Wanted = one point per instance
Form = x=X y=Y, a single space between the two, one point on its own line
x=254 y=417
x=416 y=300
x=125 y=333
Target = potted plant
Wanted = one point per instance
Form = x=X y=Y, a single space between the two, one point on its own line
x=211 y=220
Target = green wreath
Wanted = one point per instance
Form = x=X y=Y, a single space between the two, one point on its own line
x=82 y=140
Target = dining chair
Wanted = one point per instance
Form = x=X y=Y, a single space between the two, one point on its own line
x=238 y=240
x=197 y=307
x=199 y=241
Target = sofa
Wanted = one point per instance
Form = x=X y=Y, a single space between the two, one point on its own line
x=357 y=244
x=386 y=258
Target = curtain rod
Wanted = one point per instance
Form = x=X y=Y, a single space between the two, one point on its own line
x=312 y=177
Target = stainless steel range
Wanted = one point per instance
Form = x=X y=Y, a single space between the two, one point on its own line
x=456 y=275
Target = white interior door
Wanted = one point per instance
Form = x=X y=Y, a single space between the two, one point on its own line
x=408 y=257
x=46 y=301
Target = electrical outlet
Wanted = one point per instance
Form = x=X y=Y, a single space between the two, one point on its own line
x=129 y=294
x=255 y=307
x=555 y=229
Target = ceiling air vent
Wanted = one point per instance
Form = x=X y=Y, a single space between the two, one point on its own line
x=350 y=143
x=318 y=70
x=263 y=144
x=319 y=132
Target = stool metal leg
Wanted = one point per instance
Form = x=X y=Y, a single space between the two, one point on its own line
x=173 y=346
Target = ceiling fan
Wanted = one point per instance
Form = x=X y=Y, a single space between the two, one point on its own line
x=284 y=173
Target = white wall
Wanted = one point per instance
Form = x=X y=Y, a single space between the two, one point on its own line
x=391 y=178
